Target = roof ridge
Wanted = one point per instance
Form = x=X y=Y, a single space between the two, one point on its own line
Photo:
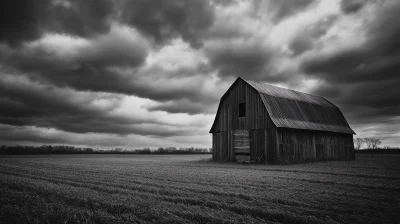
x=246 y=80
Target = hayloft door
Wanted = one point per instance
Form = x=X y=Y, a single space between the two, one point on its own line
x=241 y=145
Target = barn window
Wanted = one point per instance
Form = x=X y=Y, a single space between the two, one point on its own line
x=242 y=109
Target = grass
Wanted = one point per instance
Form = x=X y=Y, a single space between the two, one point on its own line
x=192 y=189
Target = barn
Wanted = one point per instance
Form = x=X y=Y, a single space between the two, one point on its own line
x=262 y=123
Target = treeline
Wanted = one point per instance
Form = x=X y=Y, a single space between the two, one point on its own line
x=371 y=143
x=372 y=146
x=62 y=149
x=386 y=150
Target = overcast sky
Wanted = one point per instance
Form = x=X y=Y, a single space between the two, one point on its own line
x=150 y=73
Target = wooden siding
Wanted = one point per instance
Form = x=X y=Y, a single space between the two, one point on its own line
x=241 y=145
x=256 y=121
x=228 y=117
x=259 y=145
x=269 y=144
x=299 y=145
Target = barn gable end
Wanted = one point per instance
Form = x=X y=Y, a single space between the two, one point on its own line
x=278 y=124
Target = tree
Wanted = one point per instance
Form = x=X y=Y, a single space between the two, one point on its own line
x=375 y=143
x=359 y=142
x=368 y=142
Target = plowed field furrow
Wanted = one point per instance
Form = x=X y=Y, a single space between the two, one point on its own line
x=131 y=189
x=107 y=203
x=190 y=189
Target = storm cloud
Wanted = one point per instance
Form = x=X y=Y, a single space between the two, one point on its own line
x=365 y=75
x=28 y=103
x=150 y=73
x=27 y=20
x=165 y=20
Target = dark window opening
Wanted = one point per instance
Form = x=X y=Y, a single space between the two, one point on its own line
x=242 y=109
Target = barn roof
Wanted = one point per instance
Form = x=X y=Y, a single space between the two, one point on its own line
x=292 y=109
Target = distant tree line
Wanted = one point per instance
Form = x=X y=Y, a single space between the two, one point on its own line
x=372 y=145
x=62 y=149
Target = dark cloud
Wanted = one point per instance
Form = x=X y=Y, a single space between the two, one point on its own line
x=372 y=95
x=384 y=32
x=85 y=67
x=284 y=9
x=301 y=44
x=20 y=134
x=364 y=80
x=28 y=103
x=35 y=103
x=288 y=8
x=96 y=67
x=224 y=2
x=339 y=67
x=82 y=18
x=305 y=39
x=22 y=20
x=187 y=91
x=233 y=50
x=226 y=29
x=352 y=6
x=30 y=135
x=106 y=59
x=164 y=20
x=184 y=106
x=364 y=103
x=377 y=59
x=247 y=59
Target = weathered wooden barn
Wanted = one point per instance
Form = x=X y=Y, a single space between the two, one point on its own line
x=258 y=122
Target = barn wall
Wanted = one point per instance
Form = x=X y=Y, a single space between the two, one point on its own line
x=215 y=146
x=256 y=114
x=298 y=145
x=258 y=145
x=257 y=121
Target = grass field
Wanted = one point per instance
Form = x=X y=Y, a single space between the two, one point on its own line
x=191 y=188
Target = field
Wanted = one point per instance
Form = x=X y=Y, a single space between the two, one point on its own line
x=192 y=189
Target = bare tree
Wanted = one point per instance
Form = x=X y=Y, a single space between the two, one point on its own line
x=359 y=142
x=375 y=143
x=368 y=142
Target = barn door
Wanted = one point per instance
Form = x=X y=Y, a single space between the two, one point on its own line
x=258 y=145
x=242 y=145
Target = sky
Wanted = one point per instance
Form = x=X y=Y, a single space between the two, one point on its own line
x=150 y=73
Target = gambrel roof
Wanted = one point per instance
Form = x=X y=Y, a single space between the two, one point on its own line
x=292 y=109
